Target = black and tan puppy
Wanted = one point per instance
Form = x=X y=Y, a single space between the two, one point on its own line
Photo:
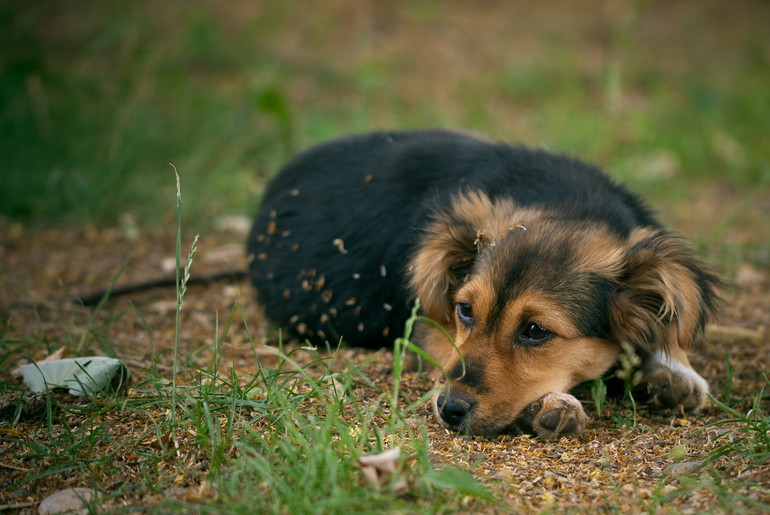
x=538 y=265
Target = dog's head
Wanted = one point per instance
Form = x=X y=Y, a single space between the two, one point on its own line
x=539 y=301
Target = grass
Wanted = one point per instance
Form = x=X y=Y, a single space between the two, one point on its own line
x=746 y=447
x=312 y=431
x=297 y=425
x=94 y=108
x=752 y=440
x=252 y=441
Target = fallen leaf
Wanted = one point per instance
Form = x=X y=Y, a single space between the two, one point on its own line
x=80 y=375
x=380 y=469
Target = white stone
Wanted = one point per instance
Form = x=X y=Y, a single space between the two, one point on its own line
x=71 y=500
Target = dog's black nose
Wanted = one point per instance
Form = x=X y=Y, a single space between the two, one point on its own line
x=453 y=406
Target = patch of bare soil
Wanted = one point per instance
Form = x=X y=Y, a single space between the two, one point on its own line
x=613 y=465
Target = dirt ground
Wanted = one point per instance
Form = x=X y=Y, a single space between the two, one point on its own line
x=608 y=467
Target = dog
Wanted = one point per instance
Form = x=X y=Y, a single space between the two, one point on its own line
x=538 y=266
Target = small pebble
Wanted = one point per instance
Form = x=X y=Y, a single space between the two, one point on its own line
x=71 y=500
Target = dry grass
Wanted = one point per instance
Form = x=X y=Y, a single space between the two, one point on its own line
x=126 y=448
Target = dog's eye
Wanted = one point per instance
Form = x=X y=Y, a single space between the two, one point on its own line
x=465 y=313
x=534 y=334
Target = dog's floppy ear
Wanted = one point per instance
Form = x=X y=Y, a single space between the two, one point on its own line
x=665 y=293
x=443 y=259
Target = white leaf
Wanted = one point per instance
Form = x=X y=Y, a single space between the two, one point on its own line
x=380 y=469
x=80 y=375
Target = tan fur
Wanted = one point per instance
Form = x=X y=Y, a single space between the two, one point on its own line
x=448 y=244
x=526 y=373
x=657 y=307
x=658 y=293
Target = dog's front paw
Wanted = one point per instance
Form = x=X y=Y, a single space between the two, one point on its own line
x=553 y=415
x=672 y=384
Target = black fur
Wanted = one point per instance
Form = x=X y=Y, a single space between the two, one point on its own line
x=329 y=248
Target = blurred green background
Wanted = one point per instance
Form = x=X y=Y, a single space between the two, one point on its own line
x=98 y=97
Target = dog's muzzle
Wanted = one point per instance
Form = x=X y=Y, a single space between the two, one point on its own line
x=453 y=406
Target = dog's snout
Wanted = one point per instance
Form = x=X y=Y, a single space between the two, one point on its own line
x=453 y=406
